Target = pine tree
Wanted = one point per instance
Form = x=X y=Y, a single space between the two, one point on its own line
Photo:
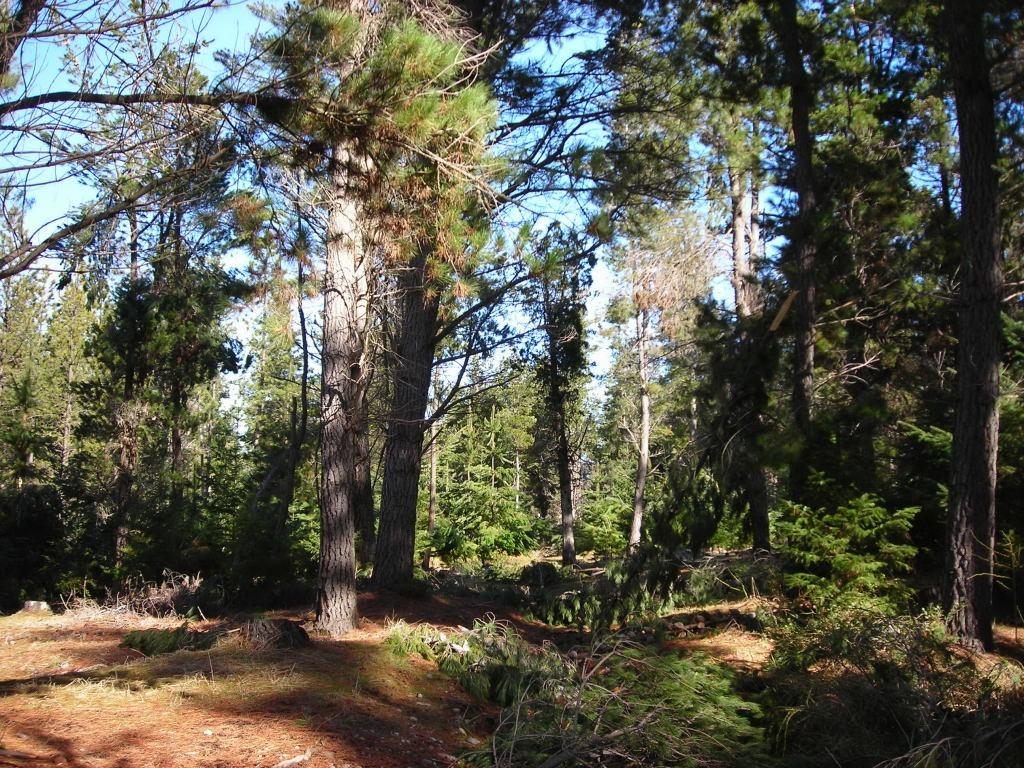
x=387 y=86
x=967 y=591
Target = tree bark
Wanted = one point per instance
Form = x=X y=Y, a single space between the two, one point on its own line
x=644 y=447
x=967 y=588
x=12 y=37
x=366 y=515
x=342 y=392
x=746 y=241
x=403 y=443
x=803 y=239
x=741 y=272
x=127 y=419
x=565 y=494
x=432 y=482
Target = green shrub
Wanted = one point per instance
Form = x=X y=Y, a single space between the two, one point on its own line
x=603 y=525
x=638 y=590
x=480 y=521
x=542 y=574
x=730 y=577
x=410 y=639
x=854 y=554
x=705 y=585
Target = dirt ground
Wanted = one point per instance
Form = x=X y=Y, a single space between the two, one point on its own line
x=70 y=696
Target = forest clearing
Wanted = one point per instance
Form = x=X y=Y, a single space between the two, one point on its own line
x=74 y=696
x=75 y=693
x=512 y=383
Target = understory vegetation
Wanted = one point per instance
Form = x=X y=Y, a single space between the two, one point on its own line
x=678 y=343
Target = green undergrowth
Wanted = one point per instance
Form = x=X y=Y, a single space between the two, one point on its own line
x=636 y=593
x=858 y=686
x=857 y=677
x=611 y=704
x=153 y=642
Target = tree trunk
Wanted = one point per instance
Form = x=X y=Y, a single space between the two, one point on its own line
x=432 y=483
x=518 y=480
x=803 y=239
x=177 y=465
x=493 y=443
x=403 y=443
x=753 y=227
x=565 y=495
x=67 y=418
x=128 y=416
x=12 y=37
x=366 y=515
x=300 y=415
x=746 y=242
x=644 y=448
x=740 y=262
x=342 y=392
x=967 y=588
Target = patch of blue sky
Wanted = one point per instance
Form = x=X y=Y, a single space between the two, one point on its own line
x=55 y=192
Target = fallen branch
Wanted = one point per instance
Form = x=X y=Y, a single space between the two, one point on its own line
x=20 y=755
x=578 y=750
x=295 y=760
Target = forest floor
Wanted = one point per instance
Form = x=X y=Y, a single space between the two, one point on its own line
x=71 y=696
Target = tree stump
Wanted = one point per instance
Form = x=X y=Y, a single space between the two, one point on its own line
x=262 y=634
x=36 y=606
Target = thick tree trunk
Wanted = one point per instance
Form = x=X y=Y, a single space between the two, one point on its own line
x=967 y=591
x=432 y=482
x=563 y=462
x=644 y=446
x=403 y=443
x=746 y=237
x=342 y=392
x=366 y=515
x=803 y=239
x=741 y=272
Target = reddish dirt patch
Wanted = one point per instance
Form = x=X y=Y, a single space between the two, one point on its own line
x=70 y=696
x=1009 y=642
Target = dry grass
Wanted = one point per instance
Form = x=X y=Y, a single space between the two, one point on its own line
x=69 y=695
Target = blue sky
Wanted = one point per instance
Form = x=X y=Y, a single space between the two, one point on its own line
x=229 y=27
